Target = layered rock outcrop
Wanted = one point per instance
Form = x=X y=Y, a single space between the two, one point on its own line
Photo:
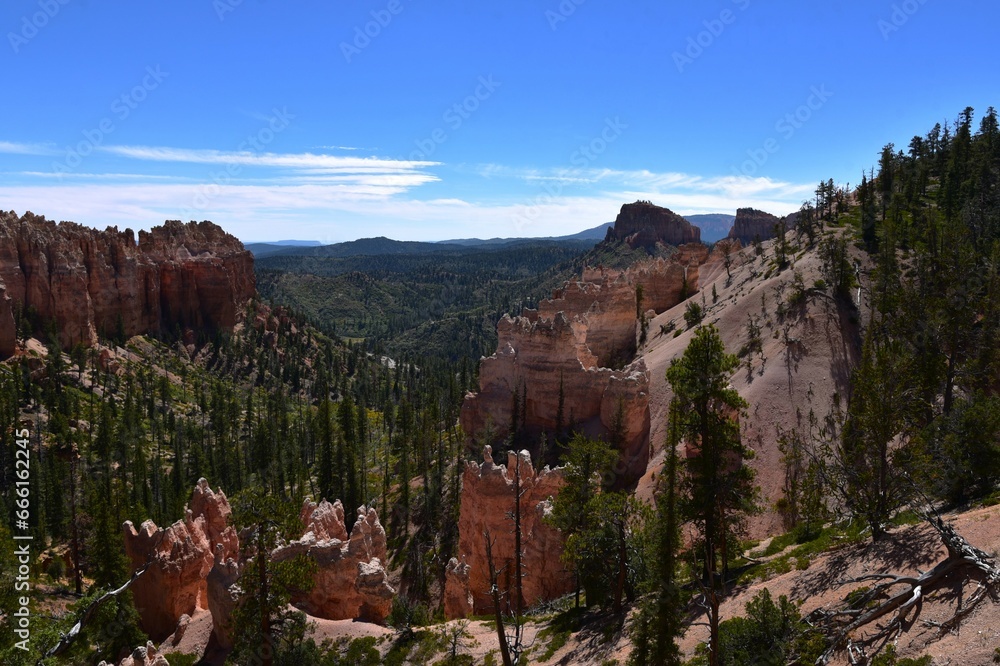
x=487 y=499
x=104 y=282
x=607 y=307
x=180 y=558
x=350 y=580
x=644 y=224
x=665 y=281
x=545 y=362
x=752 y=224
x=8 y=332
x=195 y=564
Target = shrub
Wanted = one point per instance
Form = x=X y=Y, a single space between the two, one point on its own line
x=693 y=314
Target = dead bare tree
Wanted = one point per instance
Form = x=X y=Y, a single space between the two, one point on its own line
x=512 y=642
x=66 y=640
x=962 y=555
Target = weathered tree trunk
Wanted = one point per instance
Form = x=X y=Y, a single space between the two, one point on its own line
x=961 y=554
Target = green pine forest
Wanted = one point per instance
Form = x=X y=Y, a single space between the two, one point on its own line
x=347 y=378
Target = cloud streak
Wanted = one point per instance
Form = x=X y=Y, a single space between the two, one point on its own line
x=333 y=198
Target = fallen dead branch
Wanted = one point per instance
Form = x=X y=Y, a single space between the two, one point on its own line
x=841 y=623
x=67 y=639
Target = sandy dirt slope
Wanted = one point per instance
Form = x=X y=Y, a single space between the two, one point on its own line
x=807 y=354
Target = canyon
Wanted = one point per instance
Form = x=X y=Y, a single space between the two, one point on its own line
x=571 y=363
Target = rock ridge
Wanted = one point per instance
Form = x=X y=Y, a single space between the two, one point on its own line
x=93 y=283
x=645 y=224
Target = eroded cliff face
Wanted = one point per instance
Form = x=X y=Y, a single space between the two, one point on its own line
x=665 y=281
x=644 y=224
x=195 y=564
x=8 y=333
x=350 y=580
x=102 y=282
x=606 y=306
x=751 y=224
x=487 y=501
x=555 y=363
x=180 y=558
x=547 y=361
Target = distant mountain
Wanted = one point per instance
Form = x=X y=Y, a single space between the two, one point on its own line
x=595 y=234
x=267 y=248
x=714 y=226
x=286 y=243
x=381 y=245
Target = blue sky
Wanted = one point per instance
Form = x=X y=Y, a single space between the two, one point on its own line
x=424 y=120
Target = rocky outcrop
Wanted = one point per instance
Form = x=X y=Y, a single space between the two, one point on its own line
x=545 y=362
x=665 y=281
x=644 y=224
x=487 y=499
x=457 y=593
x=93 y=283
x=752 y=224
x=8 y=330
x=147 y=655
x=606 y=305
x=350 y=581
x=222 y=597
x=180 y=558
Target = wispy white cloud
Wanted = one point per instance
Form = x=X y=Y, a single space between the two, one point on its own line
x=340 y=197
x=14 y=148
x=328 y=163
x=59 y=175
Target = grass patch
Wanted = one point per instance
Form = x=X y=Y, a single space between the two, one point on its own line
x=809 y=544
x=559 y=630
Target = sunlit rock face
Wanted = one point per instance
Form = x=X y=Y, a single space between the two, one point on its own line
x=180 y=558
x=486 y=508
x=94 y=283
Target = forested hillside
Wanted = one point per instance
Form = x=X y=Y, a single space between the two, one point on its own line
x=417 y=303
x=124 y=432
x=357 y=398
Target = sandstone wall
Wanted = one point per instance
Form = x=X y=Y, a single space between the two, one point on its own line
x=751 y=223
x=608 y=306
x=101 y=282
x=541 y=358
x=487 y=499
x=350 y=580
x=180 y=558
x=642 y=223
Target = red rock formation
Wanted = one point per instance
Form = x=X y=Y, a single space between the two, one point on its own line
x=102 y=282
x=222 y=597
x=180 y=557
x=665 y=282
x=608 y=306
x=350 y=580
x=487 y=499
x=540 y=359
x=753 y=224
x=642 y=223
x=8 y=330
